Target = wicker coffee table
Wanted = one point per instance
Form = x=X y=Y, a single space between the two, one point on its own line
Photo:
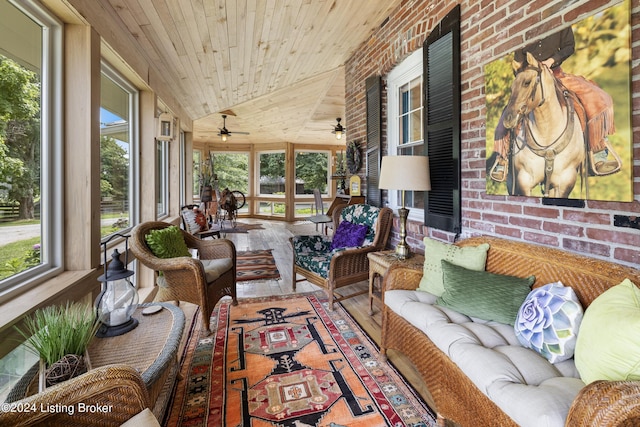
x=151 y=349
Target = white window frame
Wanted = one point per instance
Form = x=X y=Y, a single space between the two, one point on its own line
x=134 y=136
x=410 y=69
x=51 y=168
x=163 y=178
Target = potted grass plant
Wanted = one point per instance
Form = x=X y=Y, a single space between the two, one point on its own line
x=60 y=335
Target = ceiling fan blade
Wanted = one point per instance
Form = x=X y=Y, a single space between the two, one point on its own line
x=240 y=133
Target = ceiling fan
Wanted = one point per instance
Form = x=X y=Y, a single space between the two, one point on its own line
x=226 y=133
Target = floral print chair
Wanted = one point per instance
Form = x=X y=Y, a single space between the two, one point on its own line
x=326 y=263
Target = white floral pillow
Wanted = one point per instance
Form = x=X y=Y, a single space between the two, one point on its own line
x=548 y=321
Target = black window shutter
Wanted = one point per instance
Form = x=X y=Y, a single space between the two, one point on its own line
x=374 y=137
x=441 y=52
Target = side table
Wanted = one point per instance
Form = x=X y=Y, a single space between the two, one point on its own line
x=151 y=349
x=379 y=264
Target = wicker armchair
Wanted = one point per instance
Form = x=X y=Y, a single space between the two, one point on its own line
x=187 y=279
x=116 y=391
x=333 y=269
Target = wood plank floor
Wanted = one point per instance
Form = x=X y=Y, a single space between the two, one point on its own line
x=275 y=235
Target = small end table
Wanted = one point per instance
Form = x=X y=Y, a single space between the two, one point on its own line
x=379 y=264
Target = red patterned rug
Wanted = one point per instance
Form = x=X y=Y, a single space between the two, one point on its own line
x=289 y=362
x=255 y=265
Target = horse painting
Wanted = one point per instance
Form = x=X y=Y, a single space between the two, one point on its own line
x=547 y=143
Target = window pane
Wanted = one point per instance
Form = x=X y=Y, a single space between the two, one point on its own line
x=115 y=156
x=410 y=141
x=197 y=162
x=162 y=177
x=21 y=80
x=232 y=170
x=271 y=173
x=312 y=171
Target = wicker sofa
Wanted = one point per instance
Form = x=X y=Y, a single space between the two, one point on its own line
x=456 y=397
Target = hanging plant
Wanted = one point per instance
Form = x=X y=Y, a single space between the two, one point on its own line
x=353 y=157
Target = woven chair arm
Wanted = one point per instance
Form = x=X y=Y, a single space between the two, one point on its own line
x=402 y=277
x=350 y=260
x=215 y=248
x=606 y=403
x=114 y=392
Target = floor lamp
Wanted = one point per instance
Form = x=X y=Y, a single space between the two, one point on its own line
x=404 y=173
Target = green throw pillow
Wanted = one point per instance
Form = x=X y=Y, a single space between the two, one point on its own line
x=471 y=257
x=607 y=347
x=167 y=242
x=482 y=294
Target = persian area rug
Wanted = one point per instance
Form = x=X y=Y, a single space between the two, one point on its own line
x=290 y=362
x=255 y=265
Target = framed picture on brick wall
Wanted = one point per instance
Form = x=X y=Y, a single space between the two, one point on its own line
x=558 y=113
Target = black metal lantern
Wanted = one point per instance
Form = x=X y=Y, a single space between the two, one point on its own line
x=119 y=298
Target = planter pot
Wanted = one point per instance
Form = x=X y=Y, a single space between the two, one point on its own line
x=70 y=366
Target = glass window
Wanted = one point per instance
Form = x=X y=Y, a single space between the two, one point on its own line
x=271 y=173
x=162 y=178
x=30 y=144
x=404 y=85
x=197 y=165
x=30 y=158
x=118 y=104
x=312 y=171
x=232 y=171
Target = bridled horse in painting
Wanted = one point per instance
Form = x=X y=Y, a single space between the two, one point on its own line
x=547 y=143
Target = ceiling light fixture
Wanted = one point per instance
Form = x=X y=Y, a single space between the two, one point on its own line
x=338 y=129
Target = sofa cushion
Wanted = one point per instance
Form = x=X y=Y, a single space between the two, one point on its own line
x=548 y=321
x=605 y=349
x=482 y=294
x=167 y=242
x=471 y=257
x=529 y=389
x=349 y=235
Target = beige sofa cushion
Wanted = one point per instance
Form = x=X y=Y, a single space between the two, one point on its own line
x=529 y=389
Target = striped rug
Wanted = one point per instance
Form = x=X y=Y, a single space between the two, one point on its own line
x=255 y=265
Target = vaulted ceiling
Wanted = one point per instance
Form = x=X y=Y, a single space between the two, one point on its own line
x=275 y=67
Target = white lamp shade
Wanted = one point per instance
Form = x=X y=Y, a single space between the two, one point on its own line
x=410 y=173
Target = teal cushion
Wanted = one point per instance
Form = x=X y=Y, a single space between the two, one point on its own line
x=471 y=257
x=482 y=294
x=548 y=321
x=607 y=347
x=167 y=242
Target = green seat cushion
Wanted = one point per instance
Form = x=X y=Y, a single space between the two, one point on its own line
x=471 y=257
x=167 y=242
x=607 y=347
x=482 y=294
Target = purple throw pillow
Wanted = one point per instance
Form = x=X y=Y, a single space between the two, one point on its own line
x=349 y=235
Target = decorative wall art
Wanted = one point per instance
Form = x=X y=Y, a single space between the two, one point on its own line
x=559 y=113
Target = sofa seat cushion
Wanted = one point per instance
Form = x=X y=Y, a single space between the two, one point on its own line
x=490 y=355
x=214 y=268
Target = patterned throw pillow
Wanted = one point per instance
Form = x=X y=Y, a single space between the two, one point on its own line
x=167 y=242
x=349 y=235
x=548 y=321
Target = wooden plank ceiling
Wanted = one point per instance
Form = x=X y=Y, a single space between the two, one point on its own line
x=275 y=66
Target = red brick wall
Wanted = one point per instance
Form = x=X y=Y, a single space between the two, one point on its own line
x=489 y=30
